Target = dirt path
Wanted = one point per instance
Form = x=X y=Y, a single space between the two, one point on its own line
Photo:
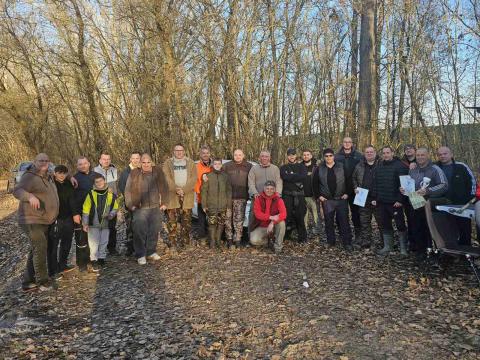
x=245 y=304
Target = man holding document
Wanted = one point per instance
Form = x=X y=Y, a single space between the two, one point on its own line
x=363 y=183
x=390 y=201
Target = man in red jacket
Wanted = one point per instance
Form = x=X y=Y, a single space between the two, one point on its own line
x=270 y=214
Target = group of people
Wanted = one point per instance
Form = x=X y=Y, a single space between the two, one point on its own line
x=54 y=208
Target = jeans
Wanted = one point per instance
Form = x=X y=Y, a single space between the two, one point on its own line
x=259 y=236
x=146 y=226
x=340 y=209
x=36 y=269
x=97 y=242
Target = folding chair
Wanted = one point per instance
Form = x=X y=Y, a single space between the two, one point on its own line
x=445 y=235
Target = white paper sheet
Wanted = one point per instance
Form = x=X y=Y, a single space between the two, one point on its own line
x=407 y=183
x=361 y=197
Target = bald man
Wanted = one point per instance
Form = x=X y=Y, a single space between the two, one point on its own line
x=461 y=189
x=237 y=171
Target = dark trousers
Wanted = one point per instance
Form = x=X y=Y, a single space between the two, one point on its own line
x=81 y=244
x=464 y=226
x=112 y=237
x=420 y=231
x=389 y=213
x=146 y=226
x=338 y=208
x=354 y=212
x=36 y=269
x=296 y=210
x=60 y=233
x=129 y=231
x=202 y=222
x=410 y=214
x=366 y=213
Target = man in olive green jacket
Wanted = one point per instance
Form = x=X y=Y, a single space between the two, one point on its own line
x=216 y=199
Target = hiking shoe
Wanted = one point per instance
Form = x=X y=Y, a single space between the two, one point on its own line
x=47 y=286
x=142 y=260
x=95 y=266
x=154 y=257
x=83 y=268
x=57 y=276
x=68 y=268
x=29 y=287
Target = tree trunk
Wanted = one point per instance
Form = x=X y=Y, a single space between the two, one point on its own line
x=367 y=93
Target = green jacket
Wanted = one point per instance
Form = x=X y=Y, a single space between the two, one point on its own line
x=216 y=192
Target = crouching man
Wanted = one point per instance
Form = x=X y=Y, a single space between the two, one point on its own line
x=270 y=214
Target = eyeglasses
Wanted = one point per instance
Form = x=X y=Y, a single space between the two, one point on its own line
x=330 y=155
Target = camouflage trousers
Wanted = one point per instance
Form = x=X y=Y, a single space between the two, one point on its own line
x=178 y=226
x=217 y=219
x=235 y=219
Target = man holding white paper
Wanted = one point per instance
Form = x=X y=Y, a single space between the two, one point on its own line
x=363 y=178
x=390 y=201
x=430 y=182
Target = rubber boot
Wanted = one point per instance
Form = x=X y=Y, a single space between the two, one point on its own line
x=387 y=244
x=212 y=234
x=218 y=236
x=402 y=238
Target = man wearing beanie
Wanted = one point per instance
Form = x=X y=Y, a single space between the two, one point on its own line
x=293 y=175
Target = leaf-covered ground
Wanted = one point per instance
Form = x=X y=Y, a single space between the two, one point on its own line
x=242 y=304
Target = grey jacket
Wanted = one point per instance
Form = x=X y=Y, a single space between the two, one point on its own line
x=438 y=184
x=110 y=175
x=258 y=176
x=320 y=185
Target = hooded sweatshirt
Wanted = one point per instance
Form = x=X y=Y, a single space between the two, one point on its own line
x=42 y=187
x=110 y=175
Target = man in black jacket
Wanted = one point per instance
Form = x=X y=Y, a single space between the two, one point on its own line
x=122 y=182
x=293 y=175
x=85 y=178
x=329 y=187
x=350 y=157
x=389 y=199
x=461 y=189
x=61 y=231
x=364 y=177
x=311 y=202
